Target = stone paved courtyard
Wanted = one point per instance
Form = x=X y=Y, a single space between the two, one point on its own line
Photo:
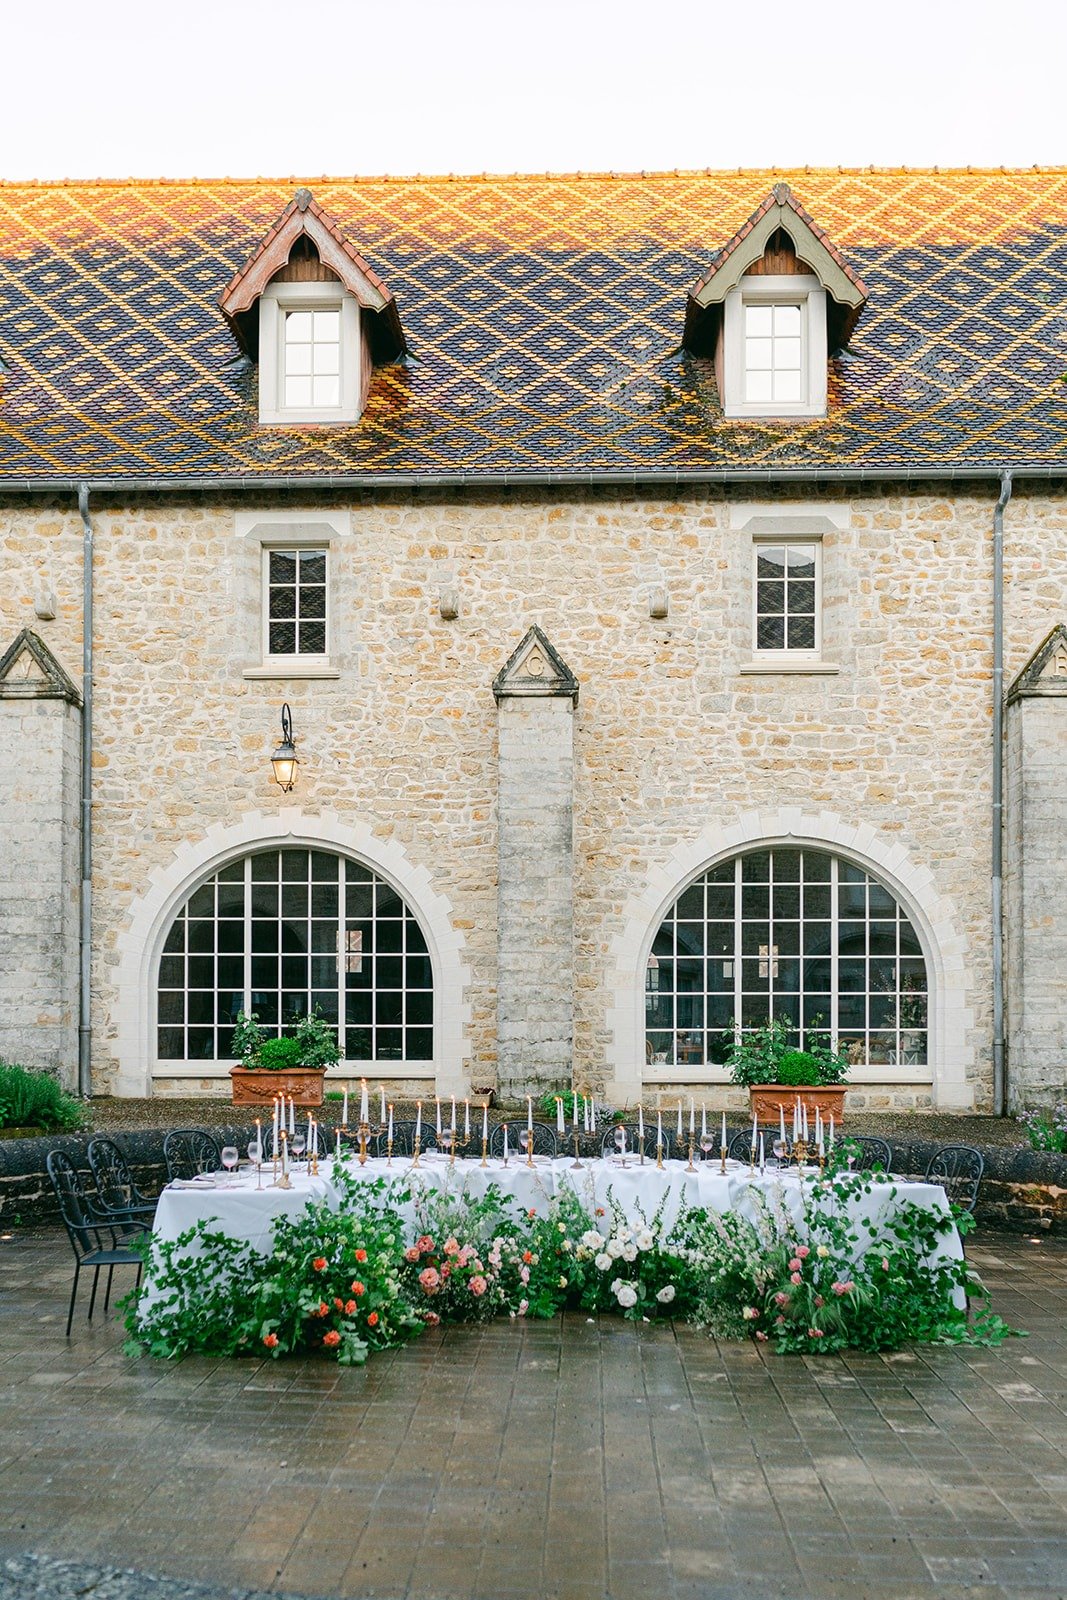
x=580 y=1460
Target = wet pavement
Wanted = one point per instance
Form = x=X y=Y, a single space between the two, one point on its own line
x=577 y=1459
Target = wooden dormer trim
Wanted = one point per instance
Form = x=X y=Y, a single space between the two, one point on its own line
x=779 y=230
x=303 y=218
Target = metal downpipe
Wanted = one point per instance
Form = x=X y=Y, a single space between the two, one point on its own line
x=997 y=910
x=85 y=932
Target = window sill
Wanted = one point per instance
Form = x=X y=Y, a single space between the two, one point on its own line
x=291 y=667
x=794 y=664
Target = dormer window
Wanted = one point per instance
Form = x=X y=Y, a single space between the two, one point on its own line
x=776 y=300
x=315 y=315
x=773 y=360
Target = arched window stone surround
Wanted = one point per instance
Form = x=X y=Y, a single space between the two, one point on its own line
x=140 y=944
x=952 y=1061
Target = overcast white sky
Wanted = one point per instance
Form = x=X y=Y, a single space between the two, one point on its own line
x=217 y=87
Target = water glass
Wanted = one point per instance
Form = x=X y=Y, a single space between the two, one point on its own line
x=230 y=1157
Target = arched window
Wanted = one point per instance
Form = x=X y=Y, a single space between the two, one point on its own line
x=787 y=932
x=280 y=932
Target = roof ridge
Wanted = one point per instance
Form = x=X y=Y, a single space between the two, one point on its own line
x=620 y=176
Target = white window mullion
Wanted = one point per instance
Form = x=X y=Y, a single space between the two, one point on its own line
x=834 y=975
x=248 y=935
x=342 y=957
x=737 y=943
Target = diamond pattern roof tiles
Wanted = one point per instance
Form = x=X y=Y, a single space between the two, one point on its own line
x=544 y=318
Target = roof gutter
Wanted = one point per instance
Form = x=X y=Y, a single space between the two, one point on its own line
x=85 y=929
x=303 y=483
x=997 y=908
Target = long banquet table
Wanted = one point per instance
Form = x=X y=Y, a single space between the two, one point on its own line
x=247 y=1211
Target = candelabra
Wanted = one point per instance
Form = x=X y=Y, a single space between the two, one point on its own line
x=284 y=1181
x=659 y=1155
x=363 y=1134
x=692 y=1147
x=722 y=1160
x=415 y=1153
x=576 y=1164
x=800 y=1152
x=485 y=1150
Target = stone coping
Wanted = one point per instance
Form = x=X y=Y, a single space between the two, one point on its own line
x=1022 y=1189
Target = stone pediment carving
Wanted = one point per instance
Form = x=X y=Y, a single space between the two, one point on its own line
x=29 y=671
x=1046 y=670
x=535 y=668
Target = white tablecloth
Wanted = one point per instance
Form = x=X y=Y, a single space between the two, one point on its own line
x=247 y=1213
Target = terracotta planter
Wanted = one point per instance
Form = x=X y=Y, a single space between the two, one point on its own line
x=766 y=1098
x=253 y=1087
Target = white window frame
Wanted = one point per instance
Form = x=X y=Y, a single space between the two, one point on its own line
x=293 y=530
x=294 y=659
x=803 y=290
x=275 y=302
x=786 y=658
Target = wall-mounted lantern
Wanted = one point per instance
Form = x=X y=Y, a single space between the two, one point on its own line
x=284 y=759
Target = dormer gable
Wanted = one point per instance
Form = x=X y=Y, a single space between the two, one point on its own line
x=776 y=300
x=315 y=315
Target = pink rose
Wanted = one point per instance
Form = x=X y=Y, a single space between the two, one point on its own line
x=803 y=1251
x=819 y=1301
x=464 y=1255
x=814 y=1333
x=781 y=1299
x=761 y=1336
x=451 y=1247
x=431 y=1319
x=885 y=1264
x=424 y=1243
x=477 y=1285
x=430 y=1279
x=411 y=1253
x=794 y=1277
x=842 y=1288
x=524 y=1274
x=795 y=1264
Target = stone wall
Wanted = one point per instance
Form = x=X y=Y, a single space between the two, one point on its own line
x=671 y=731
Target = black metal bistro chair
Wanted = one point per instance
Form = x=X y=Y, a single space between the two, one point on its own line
x=116 y=1192
x=404 y=1138
x=92 y=1234
x=871 y=1154
x=544 y=1138
x=190 y=1151
x=740 y=1145
x=958 y=1168
x=608 y=1146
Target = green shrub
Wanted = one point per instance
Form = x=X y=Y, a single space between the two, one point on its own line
x=279 y=1055
x=798 y=1066
x=35 y=1100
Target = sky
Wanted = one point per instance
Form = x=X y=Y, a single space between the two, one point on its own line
x=213 y=88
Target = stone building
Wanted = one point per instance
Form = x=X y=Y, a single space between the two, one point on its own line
x=664 y=581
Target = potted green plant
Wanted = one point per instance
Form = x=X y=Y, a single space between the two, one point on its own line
x=294 y=1065
x=776 y=1074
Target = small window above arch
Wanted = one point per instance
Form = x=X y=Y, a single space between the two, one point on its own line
x=315 y=315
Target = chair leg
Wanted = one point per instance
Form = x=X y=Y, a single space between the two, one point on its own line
x=73 y=1295
x=92 y=1297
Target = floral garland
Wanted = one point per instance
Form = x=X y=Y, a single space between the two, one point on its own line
x=346 y=1282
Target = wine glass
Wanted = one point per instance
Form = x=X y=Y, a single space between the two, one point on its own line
x=255 y=1154
x=297 y=1144
x=620 y=1140
x=707 y=1143
x=230 y=1157
x=526 y=1141
x=781 y=1150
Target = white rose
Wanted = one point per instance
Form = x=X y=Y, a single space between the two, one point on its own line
x=629 y=1252
x=644 y=1240
x=614 y=1249
x=592 y=1240
x=666 y=1294
x=624 y=1234
x=602 y=1262
x=627 y=1295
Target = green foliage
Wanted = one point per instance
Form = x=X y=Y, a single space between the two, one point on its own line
x=1046 y=1130
x=798 y=1067
x=35 y=1100
x=331 y=1283
x=761 y=1055
x=247 y=1038
x=279 y=1055
x=546 y=1106
x=317 y=1039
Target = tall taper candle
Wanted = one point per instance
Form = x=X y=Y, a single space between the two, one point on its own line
x=364 y=1108
x=418 y=1121
x=561 y=1126
x=438 y=1116
x=466 y=1119
x=292 y=1117
x=381 y=1091
x=453 y=1124
x=344 y=1109
x=485 y=1123
x=692 y=1119
x=679 y=1121
x=781 y=1121
x=389 y=1135
x=529 y=1112
x=574 y=1109
x=641 y=1124
x=703 y=1119
x=762 y=1158
x=723 y=1140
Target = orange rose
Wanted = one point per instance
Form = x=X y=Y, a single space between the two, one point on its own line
x=319 y=1263
x=350 y=1307
x=361 y=1255
x=372 y=1320
x=323 y=1309
x=358 y=1288
x=527 y=1257
x=331 y=1339
x=339 y=1303
x=271 y=1341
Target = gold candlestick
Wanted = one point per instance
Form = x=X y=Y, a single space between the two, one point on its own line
x=485 y=1152
x=722 y=1160
x=800 y=1152
x=659 y=1155
x=415 y=1157
x=530 y=1150
x=364 y=1135
x=284 y=1181
x=692 y=1147
x=576 y=1164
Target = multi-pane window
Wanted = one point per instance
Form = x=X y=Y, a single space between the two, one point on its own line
x=773 y=355
x=794 y=933
x=311 y=360
x=296 y=602
x=282 y=932
x=787 y=597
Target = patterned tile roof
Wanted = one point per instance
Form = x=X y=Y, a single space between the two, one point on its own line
x=544 y=318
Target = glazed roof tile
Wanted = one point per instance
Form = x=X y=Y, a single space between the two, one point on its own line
x=543 y=317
